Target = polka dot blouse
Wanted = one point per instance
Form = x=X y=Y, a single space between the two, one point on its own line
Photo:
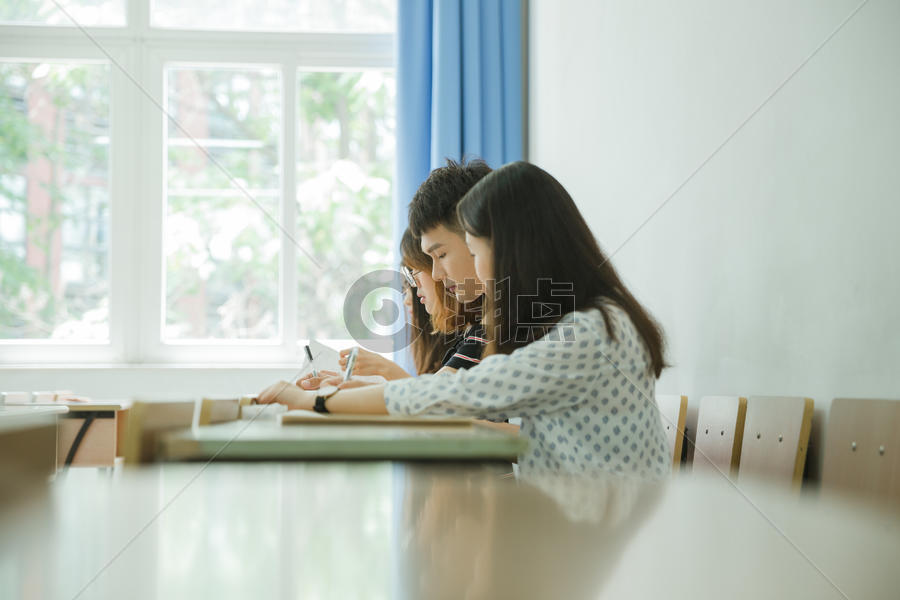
x=586 y=400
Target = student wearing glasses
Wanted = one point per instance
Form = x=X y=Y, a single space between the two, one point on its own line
x=434 y=221
x=583 y=382
x=439 y=268
x=433 y=314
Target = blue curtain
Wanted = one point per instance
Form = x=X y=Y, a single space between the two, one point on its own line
x=459 y=86
x=459 y=89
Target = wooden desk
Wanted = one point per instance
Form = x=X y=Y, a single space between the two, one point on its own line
x=90 y=433
x=27 y=446
x=381 y=530
x=267 y=440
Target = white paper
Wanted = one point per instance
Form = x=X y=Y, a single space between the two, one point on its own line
x=327 y=359
x=262 y=412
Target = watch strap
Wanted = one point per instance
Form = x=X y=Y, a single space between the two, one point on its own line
x=329 y=391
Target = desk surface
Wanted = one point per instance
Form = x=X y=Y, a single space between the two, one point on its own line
x=377 y=530
x=266 y=440
x=19 y=416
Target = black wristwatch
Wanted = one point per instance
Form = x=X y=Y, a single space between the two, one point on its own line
x=324 y=394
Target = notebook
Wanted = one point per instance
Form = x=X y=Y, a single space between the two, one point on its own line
x=326 y=359
x=262 y=412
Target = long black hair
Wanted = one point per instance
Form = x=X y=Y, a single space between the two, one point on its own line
x=545 y=254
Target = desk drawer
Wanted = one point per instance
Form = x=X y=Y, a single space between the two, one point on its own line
x=98 y=444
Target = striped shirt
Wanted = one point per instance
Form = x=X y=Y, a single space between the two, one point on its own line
x=467 y=350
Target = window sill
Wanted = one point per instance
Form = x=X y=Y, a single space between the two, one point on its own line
x=147 y=366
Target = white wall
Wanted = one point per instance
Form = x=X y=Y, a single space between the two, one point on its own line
x=776 y=269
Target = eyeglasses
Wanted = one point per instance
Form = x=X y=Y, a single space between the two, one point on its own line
x=409 y=275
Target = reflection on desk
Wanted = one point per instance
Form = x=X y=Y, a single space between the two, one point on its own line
x=377 y=530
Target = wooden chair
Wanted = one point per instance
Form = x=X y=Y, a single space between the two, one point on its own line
x=673 y=412
x=219 y=410
x=776 y=437
x=720 y=431
x=147 y=420
x=862 y=449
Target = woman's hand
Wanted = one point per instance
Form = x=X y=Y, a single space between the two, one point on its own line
x=285 y=392
x=308 y=382
x=339 y=383
x=370 y=363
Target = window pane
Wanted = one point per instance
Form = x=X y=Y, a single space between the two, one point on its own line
x=54 y=201
x=47 y=12
x=277 y=15
x=345 y=164
x=221 y=249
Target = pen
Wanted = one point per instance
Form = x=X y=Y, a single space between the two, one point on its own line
x=351 y=362
x=309 y=355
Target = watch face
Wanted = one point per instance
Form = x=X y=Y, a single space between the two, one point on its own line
x=326 y=390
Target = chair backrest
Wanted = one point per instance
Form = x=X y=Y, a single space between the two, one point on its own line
x=720 y=430
x=776 y=437
x=147 y=420
x=862 y=448
x=219 y=410
x=673 y=413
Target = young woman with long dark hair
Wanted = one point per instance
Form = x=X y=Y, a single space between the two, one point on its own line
x=570 y=350
x=440 y=324
x=431 y=319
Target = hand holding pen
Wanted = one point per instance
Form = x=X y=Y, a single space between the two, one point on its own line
x=316 y=379
x=370 y=363
x=351 y=362
x=325 y=377
x=313 y=380
x=309 y=357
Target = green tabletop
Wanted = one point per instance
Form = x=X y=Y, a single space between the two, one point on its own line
x=250 y=440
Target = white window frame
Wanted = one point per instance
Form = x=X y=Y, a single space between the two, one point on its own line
x=136 y=188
